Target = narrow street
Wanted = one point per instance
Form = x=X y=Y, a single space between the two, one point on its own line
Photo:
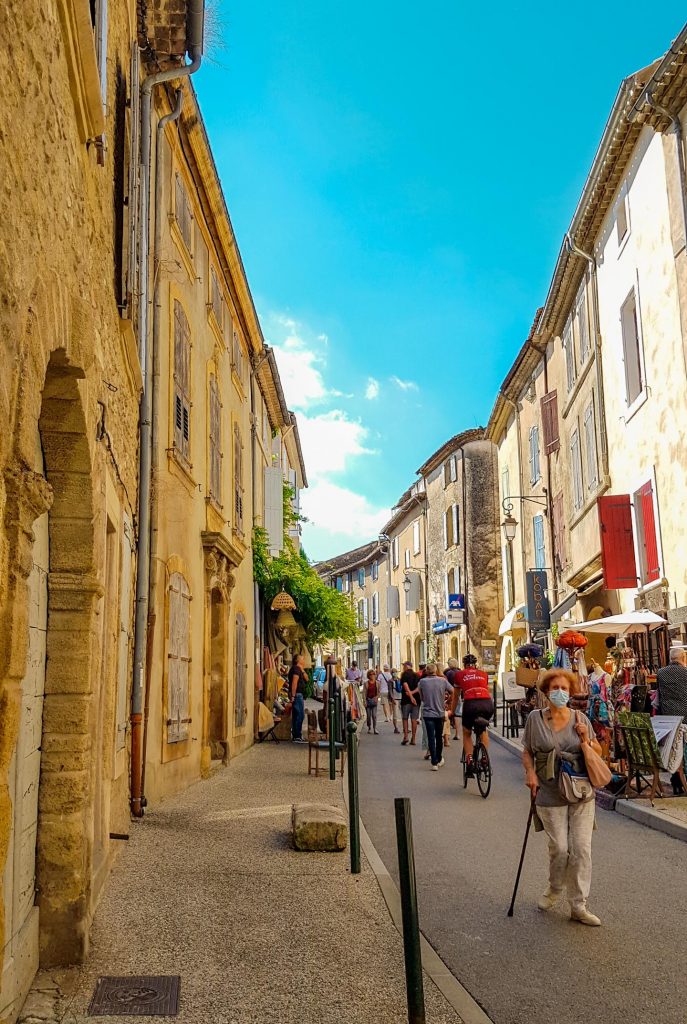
x=534 y=967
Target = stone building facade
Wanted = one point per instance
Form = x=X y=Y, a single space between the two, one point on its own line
x=68 y=476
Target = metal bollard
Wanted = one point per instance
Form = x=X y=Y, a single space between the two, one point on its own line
x=337 y=722
x=332 y=741
x=353 y=806
x=411 y=928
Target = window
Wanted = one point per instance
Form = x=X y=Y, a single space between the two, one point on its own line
x=450 y=584
x=569 y=352
x=339 y=584
x=182 y=213
x=238 y=480
x=576 y=464
x=591 y=462
x=123 y=636
x=375 y=571
x=347 y=583
x=622 y=219
x=647 y=540
x=237 y=355
x=375 y=609
x=416 y=537
x=539 y=547
x=549 y=419
x=215 y=297
x=508 y=591
x=215 y=441
x=629 y=322
x=394 y=553
x=361 y=577
x=535 y=470
x=582 y=322
x=182 y=382
x=241 y=665
x=362 y=613
x=451 y=526
x=450 y=471
x=99 y=22
x=505 y=483
x=178 y=658
x=406 y=558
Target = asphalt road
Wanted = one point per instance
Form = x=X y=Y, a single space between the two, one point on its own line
x=533 y=967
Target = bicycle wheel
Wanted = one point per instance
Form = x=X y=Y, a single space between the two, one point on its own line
x=482 y=768
x=465 y=770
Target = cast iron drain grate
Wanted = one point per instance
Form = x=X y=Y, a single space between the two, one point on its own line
x=133 y=996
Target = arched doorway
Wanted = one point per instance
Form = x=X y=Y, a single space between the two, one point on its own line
x=217 y=723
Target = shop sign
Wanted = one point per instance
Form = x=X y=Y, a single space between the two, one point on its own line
x=456 y=618
x=538 y=609
x=456 y=602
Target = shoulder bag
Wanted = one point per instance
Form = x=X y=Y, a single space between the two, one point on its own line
x=598 y=771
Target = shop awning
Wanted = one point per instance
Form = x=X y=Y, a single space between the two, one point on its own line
x=564 y=606
x=621 y=625
x=516 y=618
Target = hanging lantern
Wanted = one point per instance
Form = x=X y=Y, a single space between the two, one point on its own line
x=283 y=601
x=285 y=619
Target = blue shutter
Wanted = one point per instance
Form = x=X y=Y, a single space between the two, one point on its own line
x=539 y=552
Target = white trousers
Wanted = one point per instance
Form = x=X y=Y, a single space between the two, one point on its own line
x=569 y=830
x=391 y=709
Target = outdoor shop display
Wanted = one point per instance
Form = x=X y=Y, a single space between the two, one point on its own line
x=528 y=668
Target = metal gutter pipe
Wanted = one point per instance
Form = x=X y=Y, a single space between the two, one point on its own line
x=596 y=321
x=195 y=19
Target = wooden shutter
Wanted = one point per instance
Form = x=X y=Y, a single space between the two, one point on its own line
x=124 y=632
x=617 y=542
x=576 y=462
x=455 y=524
x=130 y=243
x=238 y=480
x=539 y=548
x=445 y=522
x=569 y=352
x=240 y=708
x=215 y=441
x=583 y=326
x=650 y=542
x=274 y=509
x=630 y=332
x=549 y=418
x=182 y=382
x=590 y=446
x=178 y=658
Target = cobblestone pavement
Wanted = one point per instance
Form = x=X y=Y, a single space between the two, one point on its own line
x=208 y=887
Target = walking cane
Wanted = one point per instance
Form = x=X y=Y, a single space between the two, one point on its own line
x=522 y=857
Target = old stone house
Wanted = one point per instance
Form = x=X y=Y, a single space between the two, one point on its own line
x=362 y=574
x=71 y=382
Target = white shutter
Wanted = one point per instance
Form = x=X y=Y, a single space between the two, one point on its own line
x=393 y=603
x=456 y=530
x=124 y=632
x=590 y=446
x=406 y=558
x=416 y=537
x=178 y=657
x=445 y=524
x=366 y=617
x=274 y=510
x=413 y=597
x=375 y=608
x=240 y=708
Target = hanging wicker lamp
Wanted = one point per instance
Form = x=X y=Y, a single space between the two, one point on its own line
x=283 y=601
x=285 y=619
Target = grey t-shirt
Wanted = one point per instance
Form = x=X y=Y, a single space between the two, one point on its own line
x=433 y=690
x=539 y=737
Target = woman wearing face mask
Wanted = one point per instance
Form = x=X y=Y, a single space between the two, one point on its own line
x=568 y=825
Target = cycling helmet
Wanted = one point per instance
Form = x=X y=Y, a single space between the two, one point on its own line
x=469 y=660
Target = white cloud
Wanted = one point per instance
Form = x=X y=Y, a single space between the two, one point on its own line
x=330 y=440
x=372 y=389
x=342 y=512
x=404 y=385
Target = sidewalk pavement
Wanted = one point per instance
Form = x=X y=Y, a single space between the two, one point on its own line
x=209 y=887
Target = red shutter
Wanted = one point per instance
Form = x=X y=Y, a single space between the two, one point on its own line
x=549 y=416
x=646 y=494
x=617 y=543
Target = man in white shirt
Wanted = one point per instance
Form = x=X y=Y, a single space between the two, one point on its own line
x=385 y=682
x=353 y=674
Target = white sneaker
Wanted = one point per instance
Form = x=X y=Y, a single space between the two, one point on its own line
x=548 y=900
x=434 y=768
x=441 y=763
x=584 y=916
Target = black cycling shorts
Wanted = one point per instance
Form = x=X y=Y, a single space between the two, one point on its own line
x=482 y=707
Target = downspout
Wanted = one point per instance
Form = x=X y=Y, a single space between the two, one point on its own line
x=194 y=30
x=596 y=322
x=155 y=385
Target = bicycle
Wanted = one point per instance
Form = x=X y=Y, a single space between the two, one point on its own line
x=480 y=768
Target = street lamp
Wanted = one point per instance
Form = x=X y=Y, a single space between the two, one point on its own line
x=509 y=527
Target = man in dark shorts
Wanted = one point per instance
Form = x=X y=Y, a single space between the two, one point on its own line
x=477 y=701
x=410 y=702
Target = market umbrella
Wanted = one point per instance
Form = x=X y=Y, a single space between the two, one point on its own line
x=622 y=625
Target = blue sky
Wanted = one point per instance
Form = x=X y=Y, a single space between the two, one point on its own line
x=400 y=177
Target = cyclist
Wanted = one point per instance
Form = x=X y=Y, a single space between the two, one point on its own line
x=477 y=701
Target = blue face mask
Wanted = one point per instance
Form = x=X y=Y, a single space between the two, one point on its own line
x=559 y=698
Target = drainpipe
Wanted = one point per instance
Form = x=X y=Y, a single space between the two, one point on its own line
x=194 y=31
x=596 y=321
x=155 y=384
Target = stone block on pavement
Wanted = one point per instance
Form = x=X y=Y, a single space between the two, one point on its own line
x=319 y=827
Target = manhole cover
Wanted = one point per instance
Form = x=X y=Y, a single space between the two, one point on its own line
x=148 y=996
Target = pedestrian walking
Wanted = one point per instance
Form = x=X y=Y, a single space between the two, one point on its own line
x=353 y=674
x=385 y=683
x=450 y=674
x=298 y=682
x=371 y=698
x=434 y=689
x=554 y=737
x=672 y=699
x=395 y=700
x=410 y=702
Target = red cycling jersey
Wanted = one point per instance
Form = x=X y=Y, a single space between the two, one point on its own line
x=473 y=683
